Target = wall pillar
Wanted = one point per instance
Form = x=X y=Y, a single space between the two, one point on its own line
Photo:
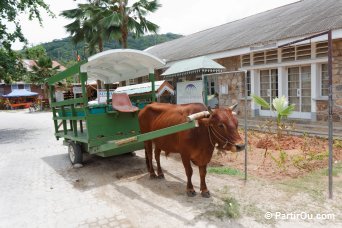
x=315 y=92
x=255 y=89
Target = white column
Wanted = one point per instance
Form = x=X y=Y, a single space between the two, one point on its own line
x=282 y=82
x=314 y=86
x=315 y=89
x=282 y=78
x=255 y=89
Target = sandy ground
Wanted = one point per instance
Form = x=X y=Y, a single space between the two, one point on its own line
x=39 y=188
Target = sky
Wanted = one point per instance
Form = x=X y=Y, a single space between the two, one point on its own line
x=177 y=16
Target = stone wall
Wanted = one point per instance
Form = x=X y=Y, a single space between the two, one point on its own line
x=235 y=90
x=322 y=106
x=234 y=86
x=231 y=63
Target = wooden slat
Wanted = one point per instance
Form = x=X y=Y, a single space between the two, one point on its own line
x=65 y=129
x=69 y=118
x=68 y=102
x=69 y=135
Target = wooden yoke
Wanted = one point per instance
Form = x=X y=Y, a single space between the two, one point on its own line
x=198 y=115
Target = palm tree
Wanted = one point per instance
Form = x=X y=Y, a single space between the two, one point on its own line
x=86 y=25
x=101 y=20
x=120 y=19
x=280 y=105
x=42 y=71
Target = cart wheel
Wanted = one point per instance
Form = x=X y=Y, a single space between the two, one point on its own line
x=131 y=154
x=75 y=153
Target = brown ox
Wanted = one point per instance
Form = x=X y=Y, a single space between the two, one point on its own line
x=196 y=145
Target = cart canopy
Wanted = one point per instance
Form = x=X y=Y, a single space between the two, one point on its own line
x=120 y=64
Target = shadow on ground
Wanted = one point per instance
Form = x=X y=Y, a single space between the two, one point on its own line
x=16 y=135
x=97 y=171
x=129 y=178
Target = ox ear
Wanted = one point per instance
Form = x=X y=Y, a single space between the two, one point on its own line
x=209 y=110
x=233 y=106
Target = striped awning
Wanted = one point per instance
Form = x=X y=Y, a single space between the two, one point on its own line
x=192 y=66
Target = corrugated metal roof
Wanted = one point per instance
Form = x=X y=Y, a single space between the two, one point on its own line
x=139 y=88
x=293 y=20
x=193 y=65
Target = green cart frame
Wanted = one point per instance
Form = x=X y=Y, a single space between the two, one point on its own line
x=100 y=129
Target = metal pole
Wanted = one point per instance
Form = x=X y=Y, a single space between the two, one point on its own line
x=330 y=114
x=330 y=109
x=306 y=38
x=152 y=79
x=245 y=123
x=245 y=117
x=205 y=87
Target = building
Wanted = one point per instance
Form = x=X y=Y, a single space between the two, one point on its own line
x=8 y=88
x=298 y=71
x=28 y=65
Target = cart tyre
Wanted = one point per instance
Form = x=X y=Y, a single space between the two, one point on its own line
x=75 y=153
x=132 y=153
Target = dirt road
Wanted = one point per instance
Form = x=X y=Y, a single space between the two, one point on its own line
x=39 y=188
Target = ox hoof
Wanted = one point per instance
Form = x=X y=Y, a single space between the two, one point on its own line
x=153 y=176
x=205 y=194
x=191 y=193
x=161 y=176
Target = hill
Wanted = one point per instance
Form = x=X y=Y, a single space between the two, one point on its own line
x=64 y=50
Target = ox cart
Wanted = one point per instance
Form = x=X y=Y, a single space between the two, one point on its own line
x=109 y=128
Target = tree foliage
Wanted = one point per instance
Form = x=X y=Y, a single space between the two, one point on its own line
x=43 y=70
x=103 y=20
x=11 y=68
x=86 y=25
x=124 y=19
x=63 y=50
x=9 y=11
x=35 y=52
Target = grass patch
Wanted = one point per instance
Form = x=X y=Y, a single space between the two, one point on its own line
x=224 y=170
x=230 y=209
x=256 y=213
x=313 y=183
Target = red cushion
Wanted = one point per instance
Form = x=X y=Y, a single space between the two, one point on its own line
x=122 y=103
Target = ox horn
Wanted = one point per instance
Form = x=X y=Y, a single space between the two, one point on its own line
x=233 y=106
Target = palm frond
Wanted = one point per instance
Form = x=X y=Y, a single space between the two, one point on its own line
x=288 y=110
x=260 y=101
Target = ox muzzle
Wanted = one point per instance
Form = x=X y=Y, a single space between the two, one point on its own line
x=238 y=147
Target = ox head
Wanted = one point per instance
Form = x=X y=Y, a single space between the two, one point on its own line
x=223 y=129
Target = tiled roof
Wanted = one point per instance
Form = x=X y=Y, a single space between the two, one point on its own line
x=29 y=64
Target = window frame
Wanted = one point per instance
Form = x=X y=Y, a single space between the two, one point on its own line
x=27 y=87
x=320 y=70
x=14 y=87
x=249 y=83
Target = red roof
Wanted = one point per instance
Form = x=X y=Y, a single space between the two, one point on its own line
x=30 y=63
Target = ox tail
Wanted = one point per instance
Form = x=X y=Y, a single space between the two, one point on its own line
x=148 y=153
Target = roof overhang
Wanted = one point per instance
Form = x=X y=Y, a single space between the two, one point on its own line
x=120 y=65
x=336 y=34
x=192 y=66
